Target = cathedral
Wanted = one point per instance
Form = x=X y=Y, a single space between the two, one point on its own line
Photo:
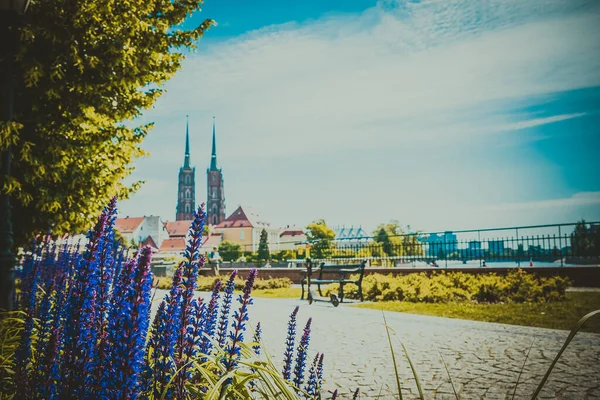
x=215 y=204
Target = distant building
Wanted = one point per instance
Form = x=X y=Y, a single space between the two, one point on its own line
x=244 y=226
x=441 y=244
x=148 y=230
x=290 y=237
x=186 y=190
x=215 y=192
x=496 y=246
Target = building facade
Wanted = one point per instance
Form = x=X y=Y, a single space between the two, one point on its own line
x=244 y=226
x=215 y=193
x=186 y=192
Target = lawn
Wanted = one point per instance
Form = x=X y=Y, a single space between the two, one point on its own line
x=284 y=293
x=557 y=315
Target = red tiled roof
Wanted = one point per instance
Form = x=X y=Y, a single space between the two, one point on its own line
x=212 y=241
x=241 y=218
x=149 y=242
x=128 y=225
x=292 y=232
x=173 y=244
x=178 y=228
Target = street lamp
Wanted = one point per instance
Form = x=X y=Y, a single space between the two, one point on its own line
x=10 y=11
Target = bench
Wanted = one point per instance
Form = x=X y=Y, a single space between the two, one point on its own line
x=337 y=273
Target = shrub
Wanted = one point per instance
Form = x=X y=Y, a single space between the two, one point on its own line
x=85 y=330
x=442 y=287
x=206 y=283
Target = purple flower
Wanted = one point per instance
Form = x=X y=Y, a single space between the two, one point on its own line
x=257 y=336
x=311 y=385
x=225 y=309
x=128 y=329
x=301 y=355
x=240 y=317
x=289 y=345
x=211 y=317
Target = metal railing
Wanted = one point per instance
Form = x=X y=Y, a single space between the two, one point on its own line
x=535 y=245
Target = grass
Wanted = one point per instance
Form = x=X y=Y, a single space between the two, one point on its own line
x=556 y=315
x=285 y=293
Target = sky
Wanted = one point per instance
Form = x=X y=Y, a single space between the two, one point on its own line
x=440 y=114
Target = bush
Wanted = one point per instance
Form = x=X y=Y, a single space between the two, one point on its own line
x=442 y=287
x=206 y=283
x=84 y=330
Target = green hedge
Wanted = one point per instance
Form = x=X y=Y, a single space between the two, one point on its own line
x=206 y=283
x=443 y=287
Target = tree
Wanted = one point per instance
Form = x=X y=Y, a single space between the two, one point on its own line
x=85 y=70
x=585 y=241
x=383 y=238
x=263 y=246
x=230 y=251
x=321 y=237
x=389 y=235
x=411 y=245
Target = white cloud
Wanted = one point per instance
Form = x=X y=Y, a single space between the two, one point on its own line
x=411 y=77
x=326 y=81
x=576 y=200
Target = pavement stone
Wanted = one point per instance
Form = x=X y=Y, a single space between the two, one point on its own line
x=483 y=359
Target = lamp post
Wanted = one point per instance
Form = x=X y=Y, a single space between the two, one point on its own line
x=10 y=11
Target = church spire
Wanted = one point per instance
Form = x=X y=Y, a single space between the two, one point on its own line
x=213 y=157
x=186 y=162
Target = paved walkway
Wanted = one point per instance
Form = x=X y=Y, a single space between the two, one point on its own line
x=484 y=359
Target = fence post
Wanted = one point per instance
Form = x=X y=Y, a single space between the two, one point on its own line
x=560 y=246
x=518 y=250
x=480 y=249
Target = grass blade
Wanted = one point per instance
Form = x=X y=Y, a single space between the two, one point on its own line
x=522 y=367
x=449 y=377
x=574 y=331
x=414 y=371
x=387 y=330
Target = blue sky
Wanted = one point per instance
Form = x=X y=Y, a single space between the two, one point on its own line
x=439 y=114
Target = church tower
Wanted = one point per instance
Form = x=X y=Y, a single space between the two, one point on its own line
x=215 y=204
x=186 y=193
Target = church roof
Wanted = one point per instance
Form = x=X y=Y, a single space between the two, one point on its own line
x=128 y=225
x=244 y=218
x=292 y=231
x=173 y=244
x=150 y=242
x=178 y=228
x=212 y=241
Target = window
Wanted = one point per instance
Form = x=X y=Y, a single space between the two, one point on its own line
x=242 y=235
x=214 y=219
x=187 y=194
x=187 y=179
x=187 y=207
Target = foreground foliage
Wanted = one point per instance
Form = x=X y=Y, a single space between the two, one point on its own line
x=85 y=331
x=444 y=287
x=80 y=77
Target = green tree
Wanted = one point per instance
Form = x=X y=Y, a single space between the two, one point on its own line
x=383 y=238
x=84 y=71
x=411 y=245
x=230 y=251
x=389 y=235
x=321 y=237
x=263 y=246
x=585 y=241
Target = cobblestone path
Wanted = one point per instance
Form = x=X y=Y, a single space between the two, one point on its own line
x=483 y=359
